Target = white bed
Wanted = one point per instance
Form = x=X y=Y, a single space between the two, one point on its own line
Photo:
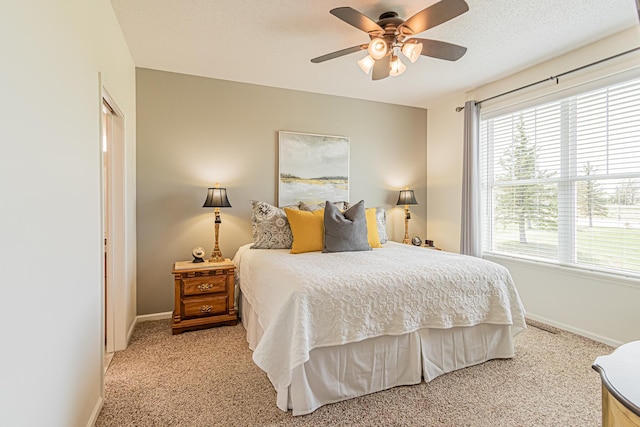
x=326 y=327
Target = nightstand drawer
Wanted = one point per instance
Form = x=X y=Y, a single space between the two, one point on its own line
x=205 y=306
x=204 y=284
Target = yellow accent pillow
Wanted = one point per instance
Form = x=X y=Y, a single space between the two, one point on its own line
x=372 y=228
x=307 y=229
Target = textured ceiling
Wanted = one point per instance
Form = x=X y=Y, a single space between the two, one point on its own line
x=271 y=42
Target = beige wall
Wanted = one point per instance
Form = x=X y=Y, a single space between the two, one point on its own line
x=193 y=132
x=444 y=179
x=594 y=306
x=53 y=54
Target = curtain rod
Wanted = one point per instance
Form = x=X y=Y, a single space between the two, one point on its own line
x=556 y=77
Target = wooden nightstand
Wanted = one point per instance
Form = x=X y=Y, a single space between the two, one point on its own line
x=432 y=247
x=203 y=295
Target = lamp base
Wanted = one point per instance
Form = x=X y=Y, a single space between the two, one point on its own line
x=407 y=216
x=216 y=256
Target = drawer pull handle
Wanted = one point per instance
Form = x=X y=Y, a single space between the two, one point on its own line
x=205 y=308
x=205 y=286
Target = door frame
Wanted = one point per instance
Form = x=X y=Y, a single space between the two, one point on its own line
x=116 y=304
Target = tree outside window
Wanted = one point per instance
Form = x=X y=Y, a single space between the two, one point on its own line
x=592 y=200
x=530 y=204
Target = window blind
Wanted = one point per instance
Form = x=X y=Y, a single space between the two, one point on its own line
x=560 y=180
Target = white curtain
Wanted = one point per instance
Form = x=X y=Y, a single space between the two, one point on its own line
x=470 y=243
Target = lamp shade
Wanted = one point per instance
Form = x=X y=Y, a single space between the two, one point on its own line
x=378 y=48
x=412 y=51
x=397 y=67
x=406 y=197
x=366 y=63
x=217 y=198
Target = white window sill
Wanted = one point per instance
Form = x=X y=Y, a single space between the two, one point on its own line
x=628 y=279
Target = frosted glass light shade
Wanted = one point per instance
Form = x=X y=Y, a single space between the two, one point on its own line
x=366 y=63
x=397 y=67
x=377 y=48
x=412 y=51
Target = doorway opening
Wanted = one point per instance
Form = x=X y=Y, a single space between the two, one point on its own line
x=107 y=114
x=113 y=230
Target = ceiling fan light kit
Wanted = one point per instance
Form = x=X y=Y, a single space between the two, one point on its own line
x=389 y=35
x=397 y=67
x=412 y=51
x=377 y=48
x=366 y=63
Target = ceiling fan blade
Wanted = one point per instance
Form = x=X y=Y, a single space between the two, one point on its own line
x=357 y=19
x=381 y=68
x=440 y=50
x=339 y=53
x=433 y=16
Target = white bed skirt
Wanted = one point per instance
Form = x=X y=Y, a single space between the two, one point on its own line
x=337 y=373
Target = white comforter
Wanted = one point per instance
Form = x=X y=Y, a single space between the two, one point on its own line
x=311 y=300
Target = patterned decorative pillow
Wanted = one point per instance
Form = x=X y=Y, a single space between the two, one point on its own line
x=381 y=221
x=270 y=227
x=310 y=207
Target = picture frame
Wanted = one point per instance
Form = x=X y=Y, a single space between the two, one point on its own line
x=312 y=168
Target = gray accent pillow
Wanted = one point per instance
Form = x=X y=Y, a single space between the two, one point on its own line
x=270 y=227
x=345 y=231
x=381 y=222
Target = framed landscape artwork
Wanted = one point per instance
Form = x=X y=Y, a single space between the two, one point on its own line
x=312 y=168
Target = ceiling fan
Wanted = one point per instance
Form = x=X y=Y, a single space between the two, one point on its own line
x=392 y=34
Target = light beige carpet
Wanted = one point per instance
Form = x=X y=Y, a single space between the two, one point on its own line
x=207 y=378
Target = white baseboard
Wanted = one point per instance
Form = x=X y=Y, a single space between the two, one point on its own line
x=130 y=331
x=577 y=331
x=154 y=316
x=147 y=318
x=96 y=411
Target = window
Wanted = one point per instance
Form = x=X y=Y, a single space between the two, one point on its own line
x=560 y=180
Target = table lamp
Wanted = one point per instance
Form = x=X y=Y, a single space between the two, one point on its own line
x=217 y=198
x=406 y=198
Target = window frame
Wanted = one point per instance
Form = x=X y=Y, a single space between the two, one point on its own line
x=567 y=245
